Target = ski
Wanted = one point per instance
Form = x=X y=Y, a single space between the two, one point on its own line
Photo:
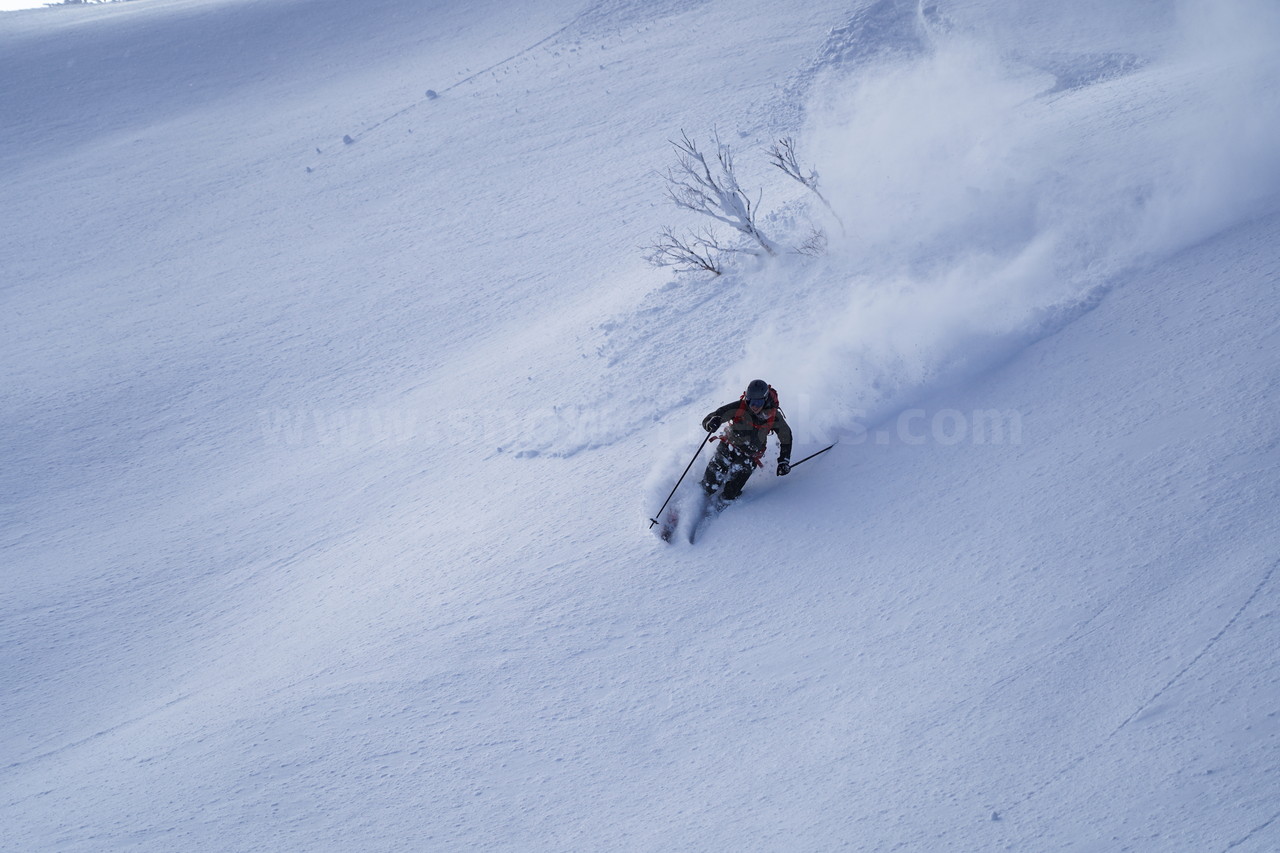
x=710 y=509
x=667 y=527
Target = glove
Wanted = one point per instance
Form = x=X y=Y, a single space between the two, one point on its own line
x=711 y=423
x=784 y=467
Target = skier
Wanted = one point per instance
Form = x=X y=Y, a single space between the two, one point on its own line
x=750 y=420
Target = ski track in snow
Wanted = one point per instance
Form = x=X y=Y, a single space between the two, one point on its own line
x=470 y=78
x=605 y=16
x=1151 y=701
x=1253 y=833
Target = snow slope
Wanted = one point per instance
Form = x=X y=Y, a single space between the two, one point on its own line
x=328 y=464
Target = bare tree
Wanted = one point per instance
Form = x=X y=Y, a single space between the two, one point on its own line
x=694 y=185
x=814 y=245
x=709 y=187
x=783 y=155
x=699 y=250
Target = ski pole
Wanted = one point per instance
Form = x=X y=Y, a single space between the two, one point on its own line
x=811 y=455
x=701 y=444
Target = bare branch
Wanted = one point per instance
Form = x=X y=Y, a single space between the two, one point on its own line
x=783 y=155
x=709 y=187
x=692 y=184
x=814 y=245
x=696 y=252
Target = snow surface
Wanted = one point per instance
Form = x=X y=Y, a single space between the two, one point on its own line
x=328 y=466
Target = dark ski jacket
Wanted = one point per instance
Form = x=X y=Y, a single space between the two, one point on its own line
x=748 y=433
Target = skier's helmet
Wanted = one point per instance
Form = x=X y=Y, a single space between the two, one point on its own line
x=757 y=393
